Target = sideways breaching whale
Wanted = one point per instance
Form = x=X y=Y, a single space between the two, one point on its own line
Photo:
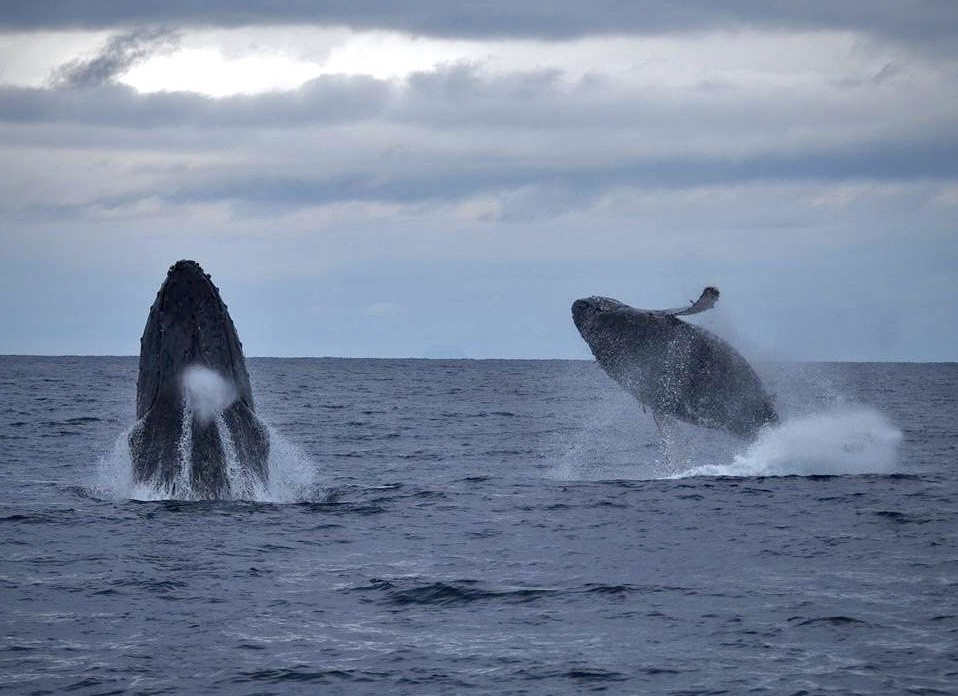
x=196 y=434
x=677 y=369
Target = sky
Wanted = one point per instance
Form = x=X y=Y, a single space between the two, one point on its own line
x=435 y=179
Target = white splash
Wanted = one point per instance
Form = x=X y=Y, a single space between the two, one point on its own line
x=293 y=476
x=207 y=392
x=852 y=440
x=113 y=477
x=843 y=440
x=184 y=452
x=241 y=482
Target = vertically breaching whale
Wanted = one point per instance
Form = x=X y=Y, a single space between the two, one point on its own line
x=677 y=369
x=196 y=434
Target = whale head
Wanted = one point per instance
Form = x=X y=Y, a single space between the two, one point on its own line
x=605 y=323
x=188 y=325
x=586 y=310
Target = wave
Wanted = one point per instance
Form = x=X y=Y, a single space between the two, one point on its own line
x=455 y=592
x=414 y=590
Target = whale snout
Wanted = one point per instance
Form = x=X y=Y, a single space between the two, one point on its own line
x=582 y=309
x=579 y=307
x=585 y=309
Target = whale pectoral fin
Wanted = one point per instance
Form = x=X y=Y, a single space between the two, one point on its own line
x=706 y=301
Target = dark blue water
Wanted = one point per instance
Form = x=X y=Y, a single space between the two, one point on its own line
x=501 y=527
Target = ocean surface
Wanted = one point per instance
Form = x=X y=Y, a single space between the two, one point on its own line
x=487 y=527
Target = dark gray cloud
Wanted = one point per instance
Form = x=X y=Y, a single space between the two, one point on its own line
x=121 y=53
x=922 y=21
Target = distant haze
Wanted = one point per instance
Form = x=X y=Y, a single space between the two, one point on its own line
x=428 y=179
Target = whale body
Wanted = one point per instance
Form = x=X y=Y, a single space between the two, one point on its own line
x=677 y=369
x=196 y=435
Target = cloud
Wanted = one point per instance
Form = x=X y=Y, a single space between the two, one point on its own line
x=121 y=53
x=323 y=100
x=788 y=153
x=921 y=22
x=518 y=144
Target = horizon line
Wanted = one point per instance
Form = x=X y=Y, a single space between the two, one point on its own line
x=486 y=359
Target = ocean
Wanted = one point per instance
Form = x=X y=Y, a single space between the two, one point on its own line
x=486 y=527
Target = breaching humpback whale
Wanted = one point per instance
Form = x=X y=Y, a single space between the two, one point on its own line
x=196 y=434
x=677 y=369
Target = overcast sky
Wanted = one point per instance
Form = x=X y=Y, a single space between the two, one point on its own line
x=428 y=179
